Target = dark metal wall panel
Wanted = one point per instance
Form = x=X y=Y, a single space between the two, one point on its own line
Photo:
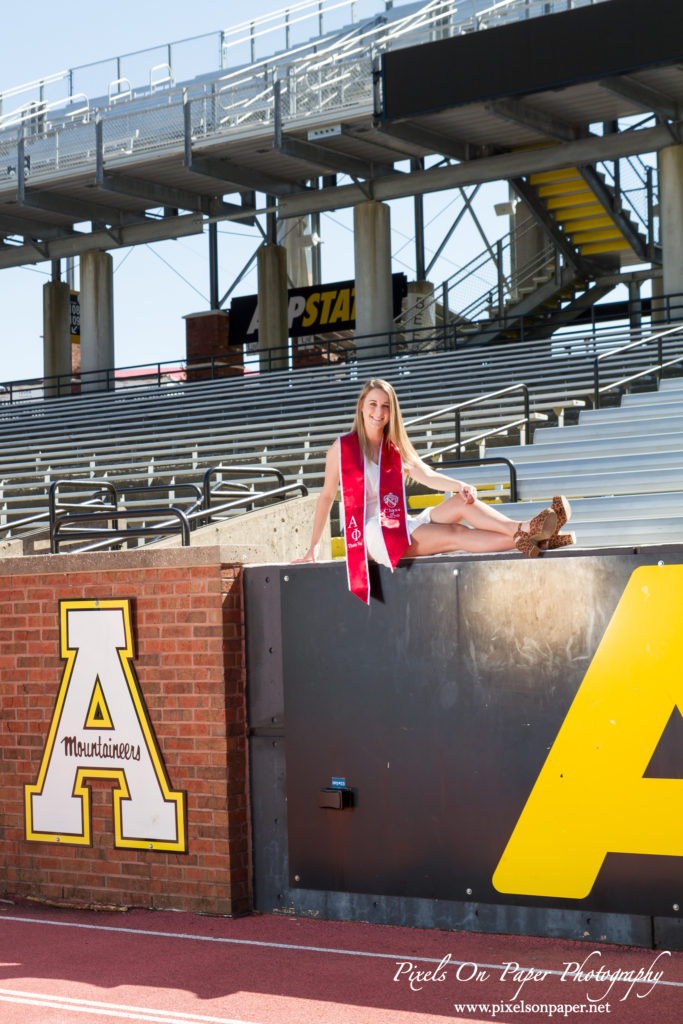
x=265 y=713
x=438 y=703
x=530 y=56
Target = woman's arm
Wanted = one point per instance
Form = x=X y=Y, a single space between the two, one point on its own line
x=325 y=501
x=424 y=474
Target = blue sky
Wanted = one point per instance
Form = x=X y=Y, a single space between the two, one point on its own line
x=155 y=286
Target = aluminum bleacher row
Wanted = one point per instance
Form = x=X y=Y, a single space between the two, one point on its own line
x=624 y=463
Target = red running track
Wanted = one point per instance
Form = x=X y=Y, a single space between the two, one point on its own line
x=67 y=966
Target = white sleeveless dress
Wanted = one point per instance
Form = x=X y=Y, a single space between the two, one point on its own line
x=374 y=541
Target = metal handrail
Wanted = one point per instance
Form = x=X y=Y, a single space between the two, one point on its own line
x=441 y=338
x=248 y=501
x=97 y=485
x=417 y=26
x=49 y=516
x=459 y=406
x=40 y=517
x=655 y=368
x=114 y=534
x=485 y=461
x=73 y=511
x=146 y=488
x=248 y=470
x=475 y=438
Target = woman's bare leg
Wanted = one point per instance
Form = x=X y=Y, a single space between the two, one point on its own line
x=441 y=538
x=477 y=514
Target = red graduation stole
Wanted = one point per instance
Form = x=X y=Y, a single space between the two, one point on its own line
x=392 y=509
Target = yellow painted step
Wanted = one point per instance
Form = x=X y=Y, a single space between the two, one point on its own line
x=565 y=174
x=565 y=214
x=599 y=235
x=338 y=547
x=566 y=188
x=578 y=199
x=595 y=248
x=573 y=227
x=424 y=500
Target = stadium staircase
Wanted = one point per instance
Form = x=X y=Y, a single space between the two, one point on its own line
x=590 y=232
x=622 y=462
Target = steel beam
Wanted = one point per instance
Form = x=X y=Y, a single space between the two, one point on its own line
x=132 y=234
x=426 y=138
x=227 y=170
x=75 y=209
x=162 y=195
x=644 y=95
x=12 y=225
x=501 y=167
x=330 y=159
x=237 y=174
x=519 y=112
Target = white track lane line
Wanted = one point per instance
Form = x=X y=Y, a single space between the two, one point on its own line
x=293 y=946
x=121 y=1012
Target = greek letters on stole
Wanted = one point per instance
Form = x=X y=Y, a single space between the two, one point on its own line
x=392 y=509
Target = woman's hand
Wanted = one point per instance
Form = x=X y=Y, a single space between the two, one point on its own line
x=469 y=493
x=310 y=556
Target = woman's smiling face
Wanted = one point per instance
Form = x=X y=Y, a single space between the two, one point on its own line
x=376 y=411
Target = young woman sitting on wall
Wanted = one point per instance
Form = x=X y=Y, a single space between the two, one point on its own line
x=372 y=462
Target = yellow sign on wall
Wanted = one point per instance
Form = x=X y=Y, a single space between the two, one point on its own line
x=591 y=797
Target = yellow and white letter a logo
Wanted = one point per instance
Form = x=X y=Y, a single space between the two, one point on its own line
x=590 y=798
x=100 y=729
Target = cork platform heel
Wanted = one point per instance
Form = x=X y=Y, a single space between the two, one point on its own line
x=541 y=528
x=563 y=512
x=559 y=540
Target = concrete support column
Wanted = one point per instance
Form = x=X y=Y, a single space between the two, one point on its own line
x=420 y=319
x=296 y=236
x=528 y=242
x=57 y=337
x=657 y=314
x=272 y=306
x=372 y=253
x=634 y=311
x=97 y=320
x=671 y=220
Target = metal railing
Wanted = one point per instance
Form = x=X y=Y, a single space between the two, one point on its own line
x=63 y=514
x=64 y=530
x=457 y=409
x=210 y=490
x=487 y=460
x=98 y=486
x=297 y=30
x=655 y=369
x=242 y=495
x=635 y=183
x=67 y=511
x=60 y=141
x=249 y=501
x=446 y=337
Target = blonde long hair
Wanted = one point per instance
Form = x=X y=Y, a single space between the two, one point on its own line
x=394 y=430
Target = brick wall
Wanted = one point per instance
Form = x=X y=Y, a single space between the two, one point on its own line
x=189 y=661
